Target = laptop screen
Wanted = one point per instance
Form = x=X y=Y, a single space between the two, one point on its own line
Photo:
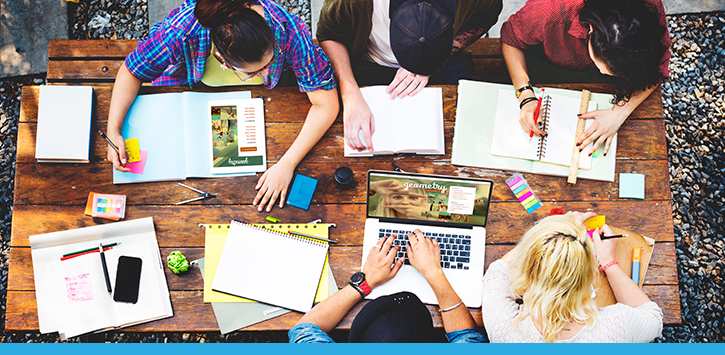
x=428 y=198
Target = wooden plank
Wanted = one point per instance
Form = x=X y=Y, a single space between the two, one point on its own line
x=176 y=226
x=68 y=48
x=83 y=70
x=490 y=68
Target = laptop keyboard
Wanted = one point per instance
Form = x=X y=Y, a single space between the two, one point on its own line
x=455 y=247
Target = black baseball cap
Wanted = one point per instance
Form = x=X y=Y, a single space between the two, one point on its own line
x=421 y=33
x=396 y=318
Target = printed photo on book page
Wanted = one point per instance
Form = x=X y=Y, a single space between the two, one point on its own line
x=237 y=136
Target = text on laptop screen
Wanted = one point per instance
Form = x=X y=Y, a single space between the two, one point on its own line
x=434 y=198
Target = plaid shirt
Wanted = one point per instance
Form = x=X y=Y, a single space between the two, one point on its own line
x=555 y=25
x=176 y=50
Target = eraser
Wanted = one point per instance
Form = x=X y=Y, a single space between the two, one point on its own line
x=300 y=194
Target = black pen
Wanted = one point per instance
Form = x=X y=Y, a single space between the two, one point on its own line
x=109 y=142
x=613 y=236
x=105 y=268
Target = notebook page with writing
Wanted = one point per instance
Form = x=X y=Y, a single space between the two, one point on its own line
x=561 y=129
x=270 y=267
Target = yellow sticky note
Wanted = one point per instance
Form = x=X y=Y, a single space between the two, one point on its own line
x=595 y=222
x=134 y=153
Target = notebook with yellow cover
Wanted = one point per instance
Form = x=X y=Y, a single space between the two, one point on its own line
x=216 y=234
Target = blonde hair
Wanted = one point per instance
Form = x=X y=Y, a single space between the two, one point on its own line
x=553 y=271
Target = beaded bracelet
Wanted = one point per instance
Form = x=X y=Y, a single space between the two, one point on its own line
x=604 y=267
x=526 y=101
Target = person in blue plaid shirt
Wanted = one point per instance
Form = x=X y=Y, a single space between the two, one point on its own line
x=231 y=42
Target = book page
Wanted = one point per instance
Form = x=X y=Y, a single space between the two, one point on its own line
x=509 y=139
x=419 y=122
x=235 y=129
x=561 y=127
x=381 y=107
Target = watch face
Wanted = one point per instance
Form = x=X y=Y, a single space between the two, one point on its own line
x=357 y=278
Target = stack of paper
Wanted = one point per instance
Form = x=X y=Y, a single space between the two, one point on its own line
x=64 y=124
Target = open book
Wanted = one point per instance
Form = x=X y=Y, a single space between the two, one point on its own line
x=411 y=125
x=174 y=132
x=71 y=294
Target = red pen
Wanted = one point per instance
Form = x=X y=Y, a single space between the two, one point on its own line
x=536 y=118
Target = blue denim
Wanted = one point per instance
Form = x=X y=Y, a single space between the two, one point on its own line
x=311 y=333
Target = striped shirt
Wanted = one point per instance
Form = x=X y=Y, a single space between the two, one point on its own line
x=176 y=50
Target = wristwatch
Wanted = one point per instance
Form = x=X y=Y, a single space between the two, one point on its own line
x=358 y=282
x=520 y=90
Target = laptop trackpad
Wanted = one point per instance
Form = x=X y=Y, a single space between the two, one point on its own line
x=418 y=285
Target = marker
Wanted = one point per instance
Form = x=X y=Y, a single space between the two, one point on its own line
x=536 y=118
x=636 y=257
x=313 y=237
x=272 y=219
x=109 y=142
x=105 y=268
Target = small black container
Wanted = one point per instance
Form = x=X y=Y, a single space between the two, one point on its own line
x=343 y=177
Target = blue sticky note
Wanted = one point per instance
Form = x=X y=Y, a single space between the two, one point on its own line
x=631 y=186
x=300 y=195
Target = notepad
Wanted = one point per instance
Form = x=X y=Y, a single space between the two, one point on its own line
x=631 y=186
x=270 y=267
x=64 y=124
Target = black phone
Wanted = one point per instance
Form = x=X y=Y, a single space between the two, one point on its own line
x=128 y=278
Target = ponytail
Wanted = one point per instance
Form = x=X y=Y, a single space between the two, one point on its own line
x=239 y=33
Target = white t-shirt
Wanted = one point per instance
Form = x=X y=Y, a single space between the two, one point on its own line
x=378 y=48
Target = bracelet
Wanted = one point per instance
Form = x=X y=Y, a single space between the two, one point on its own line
x=604 y=267
x=526 y=101
x=452 y=307
x=359 y=290
x=524 y=88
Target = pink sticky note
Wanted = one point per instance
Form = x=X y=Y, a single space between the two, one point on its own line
x=78 y=288
x=137 y=167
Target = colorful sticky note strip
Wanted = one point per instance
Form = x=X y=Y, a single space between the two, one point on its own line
x=523 y=193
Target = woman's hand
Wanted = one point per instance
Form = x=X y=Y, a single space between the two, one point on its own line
x=379 y=267
x=605 y=126
x=581 y=217
x=405 y=84
x=119 y=162
x=526 y=117
x=385 y=188
x=424 y=253
x=272 y=185
x=605 y=249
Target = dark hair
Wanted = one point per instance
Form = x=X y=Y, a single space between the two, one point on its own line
x=627 y=36
x=239 y=33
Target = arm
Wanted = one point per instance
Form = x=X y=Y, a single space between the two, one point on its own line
x=607 y=122
x=125 y=90
x=377 y=271
x=356 y=114
x=424 y=255
x=465 y=38
x=274 y=182
x=625 y=290
x=516 y=64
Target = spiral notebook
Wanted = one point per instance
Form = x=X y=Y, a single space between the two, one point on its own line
x=559 y=119
x=270 y=267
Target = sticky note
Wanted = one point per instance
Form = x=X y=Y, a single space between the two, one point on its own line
x=300 y=195
x=596 y=222
x=631 y=186
x=521 y=189
x=138 y=167
x=132 y=150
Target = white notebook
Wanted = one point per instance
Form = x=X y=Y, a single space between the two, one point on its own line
x=559 y=117
x=64 y=124
x=411 y=125
x=270 y=267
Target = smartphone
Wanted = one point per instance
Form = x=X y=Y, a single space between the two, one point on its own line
x=128 y=277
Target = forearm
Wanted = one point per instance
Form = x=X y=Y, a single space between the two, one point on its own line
x=328 y=313
x=625 y=290
x=633 y=102
x=125 y=90
x=516 y=64
x=319 y=119
x=465 y=38
x=457 y=318
x=340 y=59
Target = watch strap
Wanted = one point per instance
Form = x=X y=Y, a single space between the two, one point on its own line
x=520 y=90
x=365 y=288
x=359 y=290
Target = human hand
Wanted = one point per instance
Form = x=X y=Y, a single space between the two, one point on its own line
x=405 y=84
x=120 y=159
x=379 y=267
x=273 y=184
x=526 y=118
x=605 y=249
x=605 y=126
x=385 y=188
x=581 y=217
x=424 y=253
x=356 y=116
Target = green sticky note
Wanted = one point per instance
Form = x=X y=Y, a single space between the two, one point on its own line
x=631 y=186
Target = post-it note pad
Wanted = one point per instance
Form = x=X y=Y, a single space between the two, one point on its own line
x=300 y=195
x=631 y=186
x=132 y=150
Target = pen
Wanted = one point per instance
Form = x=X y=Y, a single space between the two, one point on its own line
x=636 y=257
x=90 y=249
x=605 y=237
x=313 y=237
x=536 y=117
x=109 y=142
x=105 y=268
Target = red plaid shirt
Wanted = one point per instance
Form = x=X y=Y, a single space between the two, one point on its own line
x=555 y=25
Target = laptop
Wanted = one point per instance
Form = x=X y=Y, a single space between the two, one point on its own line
x=454 y=210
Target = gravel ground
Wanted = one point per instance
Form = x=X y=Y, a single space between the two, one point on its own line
x=694 y=103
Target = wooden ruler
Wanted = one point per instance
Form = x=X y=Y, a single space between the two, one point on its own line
x=581 y=123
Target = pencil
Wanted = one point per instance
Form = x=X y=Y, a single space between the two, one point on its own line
x=90 y=249
x=95 y=250
x=613 y=236
x=313 y=237
x=109 y=142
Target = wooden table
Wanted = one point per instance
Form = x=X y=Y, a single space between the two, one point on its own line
x=51 y=197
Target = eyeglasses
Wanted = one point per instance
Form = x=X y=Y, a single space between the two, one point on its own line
x=249 y=76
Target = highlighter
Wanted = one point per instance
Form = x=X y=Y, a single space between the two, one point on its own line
x=636 y=257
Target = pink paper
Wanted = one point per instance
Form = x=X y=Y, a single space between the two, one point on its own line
x=78 y=288
x=137 y=167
